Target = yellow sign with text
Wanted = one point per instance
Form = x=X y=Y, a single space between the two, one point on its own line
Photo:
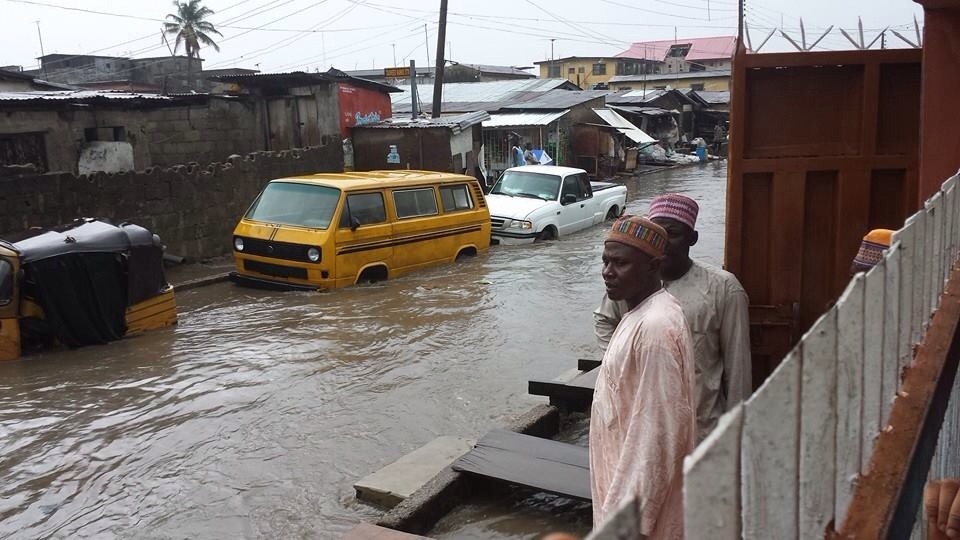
x=396 y=72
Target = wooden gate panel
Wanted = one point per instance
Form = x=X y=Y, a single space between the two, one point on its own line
x=823 y=148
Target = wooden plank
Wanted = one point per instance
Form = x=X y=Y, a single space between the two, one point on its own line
x=849 y=360
x=935 y=210
x=891 y=334
x=586 y=364
x=818 y=425
x=534 y=462
x=580 y=388
x=711 y=481
x=874 y=312
x=919 y=254
x=368 y=531
x=770 y=442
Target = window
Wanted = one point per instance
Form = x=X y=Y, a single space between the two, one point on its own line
x=696 y=86
x=292 y=203
x=455 y=198
x=571 y=186
x=365 y=208
x=415 y=202
x=571 y=70
x=6 y=282
x=553 y=71
x=586 y=190
x=599 y=69
x=23 y=148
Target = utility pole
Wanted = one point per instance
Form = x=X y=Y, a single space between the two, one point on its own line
x=394 y=53
x=414 y=100
x=41 y=49
x=426 y=41
x=551 y=49
x=441 y=61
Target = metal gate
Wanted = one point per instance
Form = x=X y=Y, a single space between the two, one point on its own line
x=823 y=148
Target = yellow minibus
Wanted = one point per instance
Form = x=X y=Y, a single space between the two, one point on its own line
x=325 y=231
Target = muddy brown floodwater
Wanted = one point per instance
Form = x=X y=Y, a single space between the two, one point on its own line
x=254 y=416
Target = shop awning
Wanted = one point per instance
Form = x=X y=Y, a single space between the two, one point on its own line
x=621 y=124
x=523 y=119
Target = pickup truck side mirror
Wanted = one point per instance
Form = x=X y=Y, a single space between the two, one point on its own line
x=568 y=198
x=354 y=223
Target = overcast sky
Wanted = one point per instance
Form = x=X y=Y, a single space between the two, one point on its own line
x=287 y=35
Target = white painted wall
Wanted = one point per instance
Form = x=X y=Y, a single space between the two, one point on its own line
x=106 y=156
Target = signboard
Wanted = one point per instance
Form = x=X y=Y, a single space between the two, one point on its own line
x=396 y=72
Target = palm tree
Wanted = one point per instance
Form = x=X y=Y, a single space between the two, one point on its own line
x=191 y=28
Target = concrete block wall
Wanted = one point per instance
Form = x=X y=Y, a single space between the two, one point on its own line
x=192 y=208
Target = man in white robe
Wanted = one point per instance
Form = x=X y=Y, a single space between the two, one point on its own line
x=642 y=421
x=715 y=306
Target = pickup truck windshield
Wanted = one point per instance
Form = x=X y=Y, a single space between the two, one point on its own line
x=302 y=205
x=526 y=184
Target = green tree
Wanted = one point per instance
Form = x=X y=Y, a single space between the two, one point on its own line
x=192 y=30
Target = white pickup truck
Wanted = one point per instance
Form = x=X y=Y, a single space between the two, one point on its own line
x=545 y=202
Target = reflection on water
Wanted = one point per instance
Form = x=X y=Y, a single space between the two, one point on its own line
x=256 y=414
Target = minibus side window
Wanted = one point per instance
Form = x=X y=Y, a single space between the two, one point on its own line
x=415 y=202
x=455 y=198
x=367 y=208
x=6 y=282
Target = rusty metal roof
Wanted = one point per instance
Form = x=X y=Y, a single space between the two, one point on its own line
x=301 y=78
x=559 y=99
x=660 y=77
x=711 y=97
x=457 y=123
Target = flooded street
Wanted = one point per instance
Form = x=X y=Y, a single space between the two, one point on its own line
x=255 y=415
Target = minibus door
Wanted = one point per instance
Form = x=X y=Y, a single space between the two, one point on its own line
x=9 y=305
x=364 y=236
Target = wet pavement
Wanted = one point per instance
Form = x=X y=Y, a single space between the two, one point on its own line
x=254 y=416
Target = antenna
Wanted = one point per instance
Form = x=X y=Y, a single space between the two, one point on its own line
x=41 y=50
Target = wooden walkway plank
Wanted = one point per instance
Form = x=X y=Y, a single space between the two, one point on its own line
x=769 y=448
x=874 y=341
x=710 y=507
x=849 y=360
x=891 y=334
x=586 y=364
x=818 y=425
x=530 y=461
x=578 y=390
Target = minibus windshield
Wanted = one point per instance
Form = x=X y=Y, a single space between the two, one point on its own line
x=289 y=203
x=526 y=184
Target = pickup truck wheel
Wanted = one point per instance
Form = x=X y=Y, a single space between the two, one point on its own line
x=613 y=213
x=549 y=233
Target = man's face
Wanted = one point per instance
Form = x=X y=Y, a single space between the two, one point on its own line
x=627 y=271
x=679 y=239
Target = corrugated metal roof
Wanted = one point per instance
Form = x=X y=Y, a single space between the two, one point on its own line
x=456 y=123
x=559 y=99
x=523 y=119
x=78 y=95
x=624 y=126
x=660 y=77
x=482 y=95
x=712 y=97
x=708 y=48
x=646 y=111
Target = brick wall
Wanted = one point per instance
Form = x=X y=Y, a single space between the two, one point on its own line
x=192 y=208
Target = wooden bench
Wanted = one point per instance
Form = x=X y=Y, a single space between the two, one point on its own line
x=534 y=462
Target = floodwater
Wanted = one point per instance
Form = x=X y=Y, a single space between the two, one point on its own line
x=254 y=416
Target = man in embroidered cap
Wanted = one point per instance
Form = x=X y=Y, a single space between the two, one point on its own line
x=714 y=304
x=642 y=421
x=871 y=250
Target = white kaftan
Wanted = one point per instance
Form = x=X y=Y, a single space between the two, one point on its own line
x=642 y=422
